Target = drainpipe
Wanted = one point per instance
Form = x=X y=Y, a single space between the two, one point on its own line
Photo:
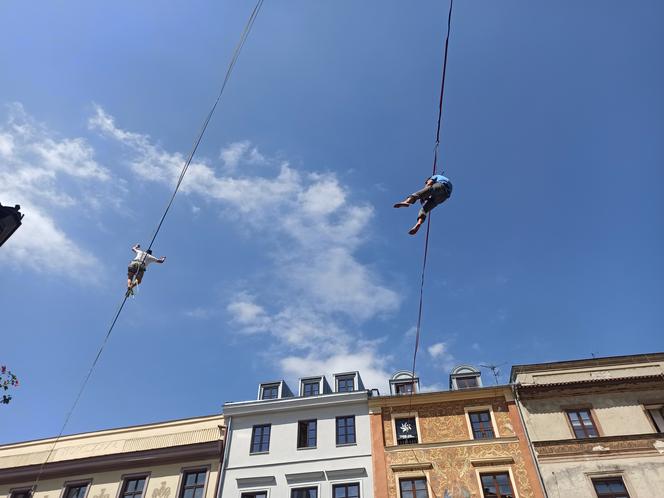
x=224 y=464
x=530 y=443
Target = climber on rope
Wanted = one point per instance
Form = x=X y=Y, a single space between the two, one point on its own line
x=138 y=266
x=437 y=189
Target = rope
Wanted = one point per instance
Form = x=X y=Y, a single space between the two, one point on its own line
x=185 y=167
x=435 y=166
x=426 y=238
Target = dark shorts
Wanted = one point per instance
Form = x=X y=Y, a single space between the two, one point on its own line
x=432 y=196
x=135 y=268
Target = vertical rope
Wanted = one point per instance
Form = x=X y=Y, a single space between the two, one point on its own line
x=426 y=238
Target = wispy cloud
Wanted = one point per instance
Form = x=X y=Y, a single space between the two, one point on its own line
x=314 y=231
x=47 y=175
x=439 y=353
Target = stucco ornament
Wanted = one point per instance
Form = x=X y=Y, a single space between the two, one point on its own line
x=659 y=446
x=162 y=491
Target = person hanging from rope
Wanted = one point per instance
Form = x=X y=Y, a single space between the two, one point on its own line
x=138 y=266
x=437 y=189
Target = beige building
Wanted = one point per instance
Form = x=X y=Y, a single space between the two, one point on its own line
x=176 y=459
x=596 y=425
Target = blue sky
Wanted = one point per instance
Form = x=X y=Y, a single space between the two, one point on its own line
x=284 y=255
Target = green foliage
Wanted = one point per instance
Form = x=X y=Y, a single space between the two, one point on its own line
x=7 y=380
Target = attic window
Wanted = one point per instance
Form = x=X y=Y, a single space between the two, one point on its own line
x=405 y=388
x=466 y=382
x=345 y=384
x=270 y=391
x=311 y=387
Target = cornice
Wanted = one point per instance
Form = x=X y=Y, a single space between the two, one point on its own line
x=255 y=407
x=199 y=451
x=471 y=394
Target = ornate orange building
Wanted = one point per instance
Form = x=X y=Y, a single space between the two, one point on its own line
x=467 y=442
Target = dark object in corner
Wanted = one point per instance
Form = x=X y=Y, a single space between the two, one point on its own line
x=10 y=220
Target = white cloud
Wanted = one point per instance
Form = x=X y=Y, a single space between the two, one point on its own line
x=373 y=368
x=439 y=352
x=316 y=284
x=240 y=152
x=46 y=174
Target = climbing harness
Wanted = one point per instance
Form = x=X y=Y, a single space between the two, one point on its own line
x=185 y=167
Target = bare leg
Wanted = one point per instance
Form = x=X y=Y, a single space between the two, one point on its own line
x=416 y=226
x=406 y=202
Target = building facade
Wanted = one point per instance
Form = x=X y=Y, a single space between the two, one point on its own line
x=463 y=443
x=314 y=443
x=596 y=425
x=176 y=459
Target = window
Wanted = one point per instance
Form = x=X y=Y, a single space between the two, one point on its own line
x=496 y=485
x=311 y=492
x=311 y=388
x=260 y=438
x=405 y=388
x=346 y=490
x=346 y=430
x=406 y=430
x=466 y=382
x=306 y=434
x=76 y=491
x=194 y=484
x=413 y=488
x=657 y=416
x=345 y=384
x=481 y=425
x=255 y=494
x=610 y=487
x=21 y=493
x=270 y=391
x=133 y=487
x=582 y=423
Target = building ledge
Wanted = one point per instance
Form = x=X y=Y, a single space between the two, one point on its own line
x=601 y=446
x=453 y=444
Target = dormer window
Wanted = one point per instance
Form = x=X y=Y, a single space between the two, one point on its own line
x=311 y=386
x=465 y=377
x=270 y=391
x=404 y=383
x=345 y=383
x=466 y=382
x=404 y=388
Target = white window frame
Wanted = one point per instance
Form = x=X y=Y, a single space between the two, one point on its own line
x=311 y=380
x=255 y=490
x=269 y=384
x=480 y=408
x=495 y=469
x=345 y=376
x=414 y=474
x=304 y=485
x=406 y=415
x=347 y=481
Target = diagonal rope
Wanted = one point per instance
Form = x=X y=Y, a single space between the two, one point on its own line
x=183 y=172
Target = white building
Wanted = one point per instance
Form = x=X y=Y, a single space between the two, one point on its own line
x=316 y=444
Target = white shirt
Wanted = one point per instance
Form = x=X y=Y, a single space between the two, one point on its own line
x=144 y=257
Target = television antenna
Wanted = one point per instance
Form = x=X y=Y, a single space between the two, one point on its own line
x=495 y=370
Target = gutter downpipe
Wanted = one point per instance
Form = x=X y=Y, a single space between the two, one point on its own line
x=227 y=445
x=530 y=443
